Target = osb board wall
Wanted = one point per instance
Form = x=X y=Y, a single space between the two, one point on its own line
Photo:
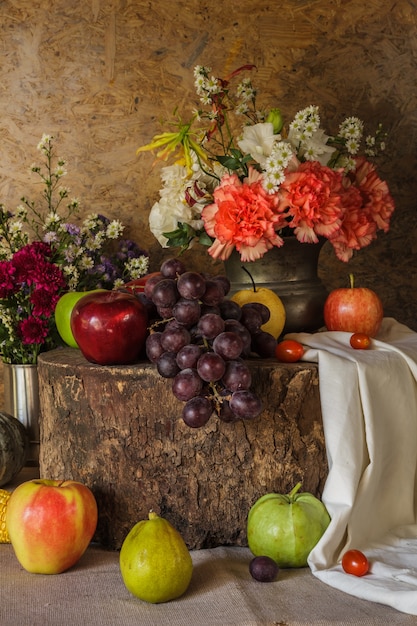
x=101 y=75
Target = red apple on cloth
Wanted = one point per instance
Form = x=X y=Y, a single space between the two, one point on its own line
x=50 y=524
x=354 y=310
x=110 y=327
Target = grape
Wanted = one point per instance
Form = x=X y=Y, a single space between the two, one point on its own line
x=225 y=283
x=165 y=293
x=197 y=412
x=147 y=303
x=187 y=312
x=167 y=365
x=264 y=344
x=213 y=294
x=172 y=324
x=173 y=339
x=191 y=285
x=150 y=284
x=230 y=310
x=251 y=319
x=245 y=404
x=211 y=366
x=225 y=413
x=153 y=346
x=237 y=375
x=261 y=308
x=198 y=338
x=264 y=569
x=236 y=327
x=210 y=325
x=188 y=356
x=165 y=312
x=171 y=268
x=207 y=308
x=228 y=344
x=187 y=384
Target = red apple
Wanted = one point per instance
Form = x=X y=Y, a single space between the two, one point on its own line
x=110 y=327
x=138 y=284
x=63 y=312
x=353 y=310
x=50 y=524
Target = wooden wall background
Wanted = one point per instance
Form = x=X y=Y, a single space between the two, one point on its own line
x=101 y=74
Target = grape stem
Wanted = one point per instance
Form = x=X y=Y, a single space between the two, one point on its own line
x=217 y=398
x=250 y=276
x=157 y=323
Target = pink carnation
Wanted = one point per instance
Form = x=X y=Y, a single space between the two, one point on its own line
x=376 y=199
x=356 y=230
x=243 y=216
x=311 y=197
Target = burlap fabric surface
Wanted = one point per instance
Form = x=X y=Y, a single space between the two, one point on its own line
x=221 y=593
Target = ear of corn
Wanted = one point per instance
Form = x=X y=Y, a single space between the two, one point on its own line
x=4 y=499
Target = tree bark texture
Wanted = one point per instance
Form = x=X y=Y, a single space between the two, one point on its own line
x=119 y=430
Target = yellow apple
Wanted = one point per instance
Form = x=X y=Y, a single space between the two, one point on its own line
x=269 y=298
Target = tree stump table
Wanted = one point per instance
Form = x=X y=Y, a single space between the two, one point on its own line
x=119 y=430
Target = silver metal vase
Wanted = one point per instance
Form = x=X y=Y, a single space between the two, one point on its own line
x=21 y=399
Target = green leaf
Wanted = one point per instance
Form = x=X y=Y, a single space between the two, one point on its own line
x=180 y=237
x=229 y=162
x=204 y=239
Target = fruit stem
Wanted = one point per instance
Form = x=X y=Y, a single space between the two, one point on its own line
x=152 y=515
x=351 y=281
x=293 y=491
x=250 y=276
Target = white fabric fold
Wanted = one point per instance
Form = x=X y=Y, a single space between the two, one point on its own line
x=369 y=410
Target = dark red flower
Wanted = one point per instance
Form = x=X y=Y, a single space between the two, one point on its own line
x=33 y=330
x=8 y=285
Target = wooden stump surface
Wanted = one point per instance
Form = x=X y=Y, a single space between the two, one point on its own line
x=119 y=430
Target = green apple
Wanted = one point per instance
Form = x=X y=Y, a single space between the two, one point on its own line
x=63 y=312
x=269 y=298
x=50 y=524
x=286 y=527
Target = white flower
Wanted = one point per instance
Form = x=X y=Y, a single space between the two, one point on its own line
x=114 y=229
x=164 y=217
x=51 y=220
x=44 y=142
x=137 y=267
x=315 y=148
x=258 y=141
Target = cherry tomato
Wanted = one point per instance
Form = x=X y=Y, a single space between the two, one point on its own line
x=355 y=562
x=289 y=351
x=360 y=341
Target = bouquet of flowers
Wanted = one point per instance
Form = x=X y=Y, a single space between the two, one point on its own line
x=244 y=185
x=43 y=255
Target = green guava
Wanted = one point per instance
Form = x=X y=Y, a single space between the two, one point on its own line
x=286 y=527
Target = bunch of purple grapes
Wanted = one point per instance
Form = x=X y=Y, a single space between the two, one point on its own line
x=200 y=339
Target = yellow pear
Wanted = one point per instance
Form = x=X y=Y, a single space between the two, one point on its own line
x=269 y=298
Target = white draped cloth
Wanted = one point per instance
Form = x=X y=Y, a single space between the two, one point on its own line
x=369 y=409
